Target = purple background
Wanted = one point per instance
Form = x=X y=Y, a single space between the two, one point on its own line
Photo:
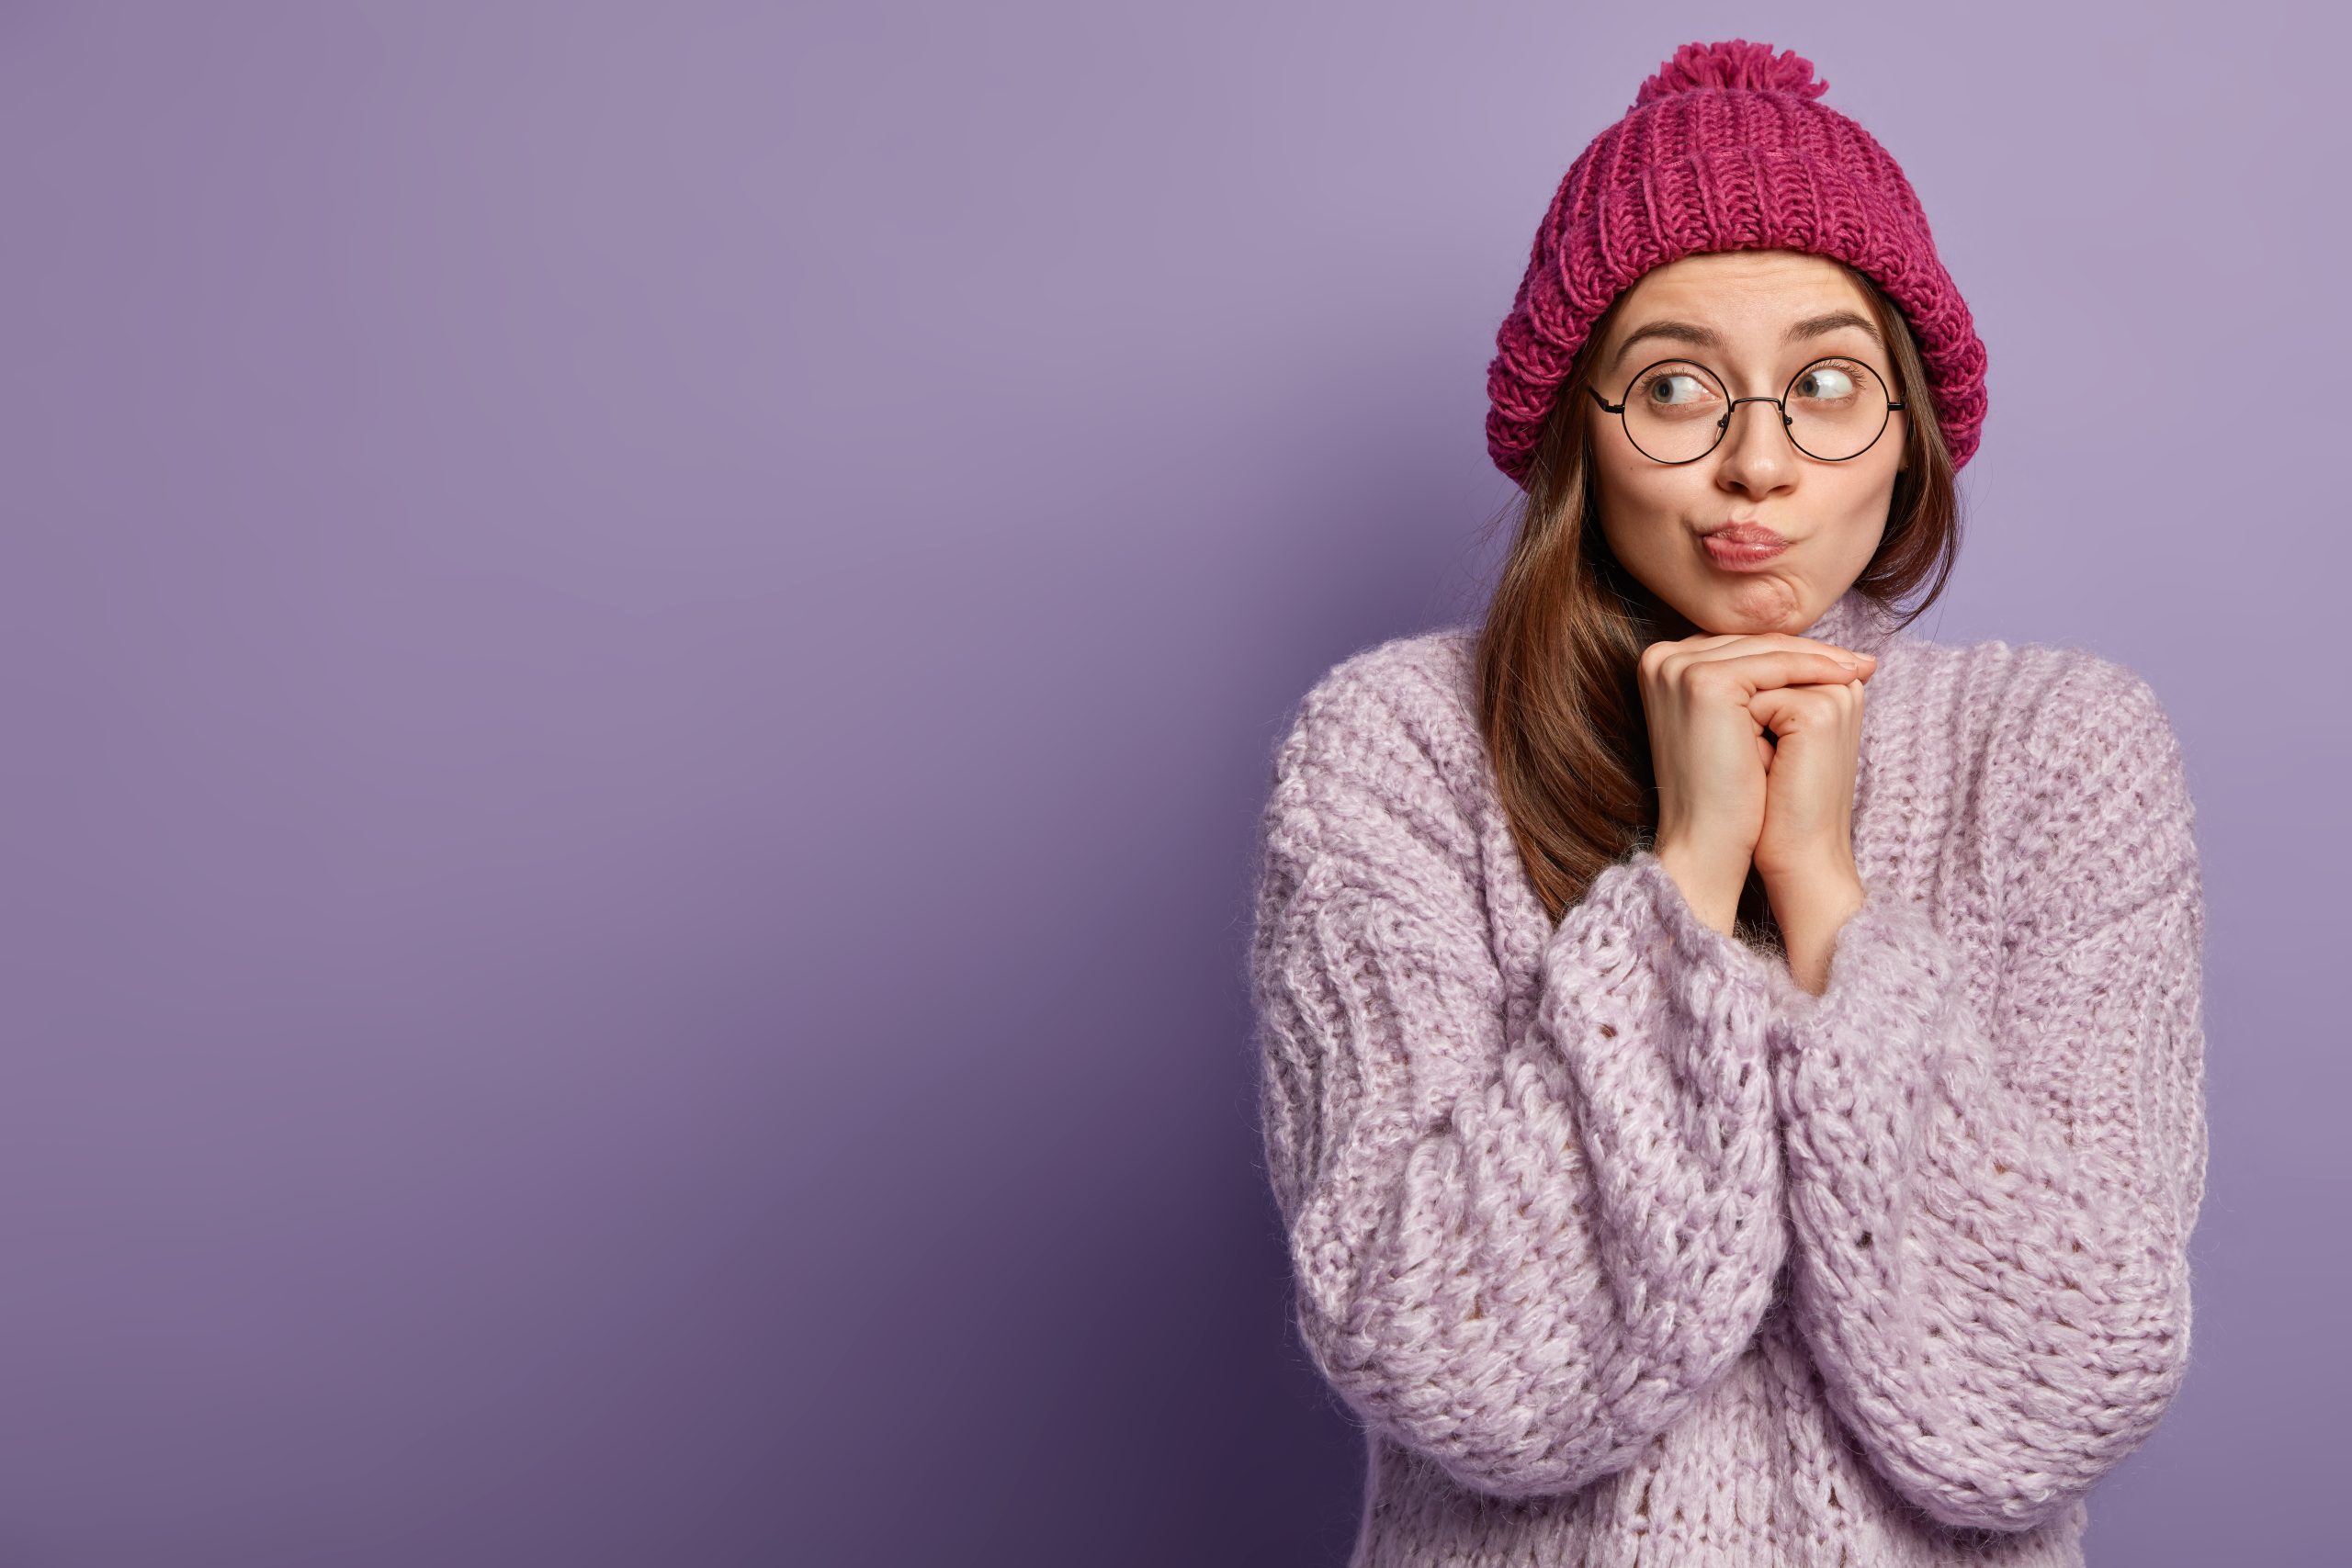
x=643 y=646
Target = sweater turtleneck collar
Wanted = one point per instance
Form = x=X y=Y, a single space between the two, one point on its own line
x=1854 y=621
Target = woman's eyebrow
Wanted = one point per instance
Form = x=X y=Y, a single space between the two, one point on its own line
x=1706 y=337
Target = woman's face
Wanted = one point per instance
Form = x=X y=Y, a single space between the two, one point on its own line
x=1754 y=318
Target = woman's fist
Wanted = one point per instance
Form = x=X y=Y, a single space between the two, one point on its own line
x=1809 y=798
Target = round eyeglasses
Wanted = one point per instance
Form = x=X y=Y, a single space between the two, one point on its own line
x=1677 y=410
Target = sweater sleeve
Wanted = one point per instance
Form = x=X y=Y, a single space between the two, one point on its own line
x=1990 y=1200
x=1521 y=1258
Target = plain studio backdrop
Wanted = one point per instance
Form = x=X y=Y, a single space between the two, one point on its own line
x=643 y=645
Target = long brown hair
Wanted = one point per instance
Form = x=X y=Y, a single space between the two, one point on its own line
x=1560 y=642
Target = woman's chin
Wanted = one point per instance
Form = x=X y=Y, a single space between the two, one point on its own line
x=1749 y=606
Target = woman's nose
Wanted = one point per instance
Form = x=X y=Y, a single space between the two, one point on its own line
x=1756 y=450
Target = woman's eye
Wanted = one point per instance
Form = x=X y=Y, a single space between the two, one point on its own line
x=1675 y=387
x=1825 y=382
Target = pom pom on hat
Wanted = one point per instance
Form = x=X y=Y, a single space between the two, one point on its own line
x=1733 y=64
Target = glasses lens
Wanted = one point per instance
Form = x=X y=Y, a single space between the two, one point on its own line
x=1837 y=408
x=1674 y=411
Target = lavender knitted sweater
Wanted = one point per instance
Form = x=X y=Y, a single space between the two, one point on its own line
x=1624 y=1248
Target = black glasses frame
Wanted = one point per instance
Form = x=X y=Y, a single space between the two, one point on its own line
x=1723 y=425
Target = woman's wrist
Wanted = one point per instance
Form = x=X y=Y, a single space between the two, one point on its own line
x=1709 y=884
x=1811 y=908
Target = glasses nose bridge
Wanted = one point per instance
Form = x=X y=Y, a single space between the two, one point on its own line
x=1780 y=406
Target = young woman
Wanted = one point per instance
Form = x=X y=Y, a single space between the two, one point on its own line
x=1733 y=1069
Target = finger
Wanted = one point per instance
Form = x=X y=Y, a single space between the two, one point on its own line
x=1671 y=659
x=1731 y=644
x=1743 y=675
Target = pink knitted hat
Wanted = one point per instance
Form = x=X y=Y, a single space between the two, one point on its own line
x=1725 y=149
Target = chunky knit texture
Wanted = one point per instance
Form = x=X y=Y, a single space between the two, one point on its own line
x=1623 y=1248
x=1725 y=149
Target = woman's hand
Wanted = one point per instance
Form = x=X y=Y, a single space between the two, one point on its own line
x=1806 y=850
x=1712 y=755
x=1808 y=829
